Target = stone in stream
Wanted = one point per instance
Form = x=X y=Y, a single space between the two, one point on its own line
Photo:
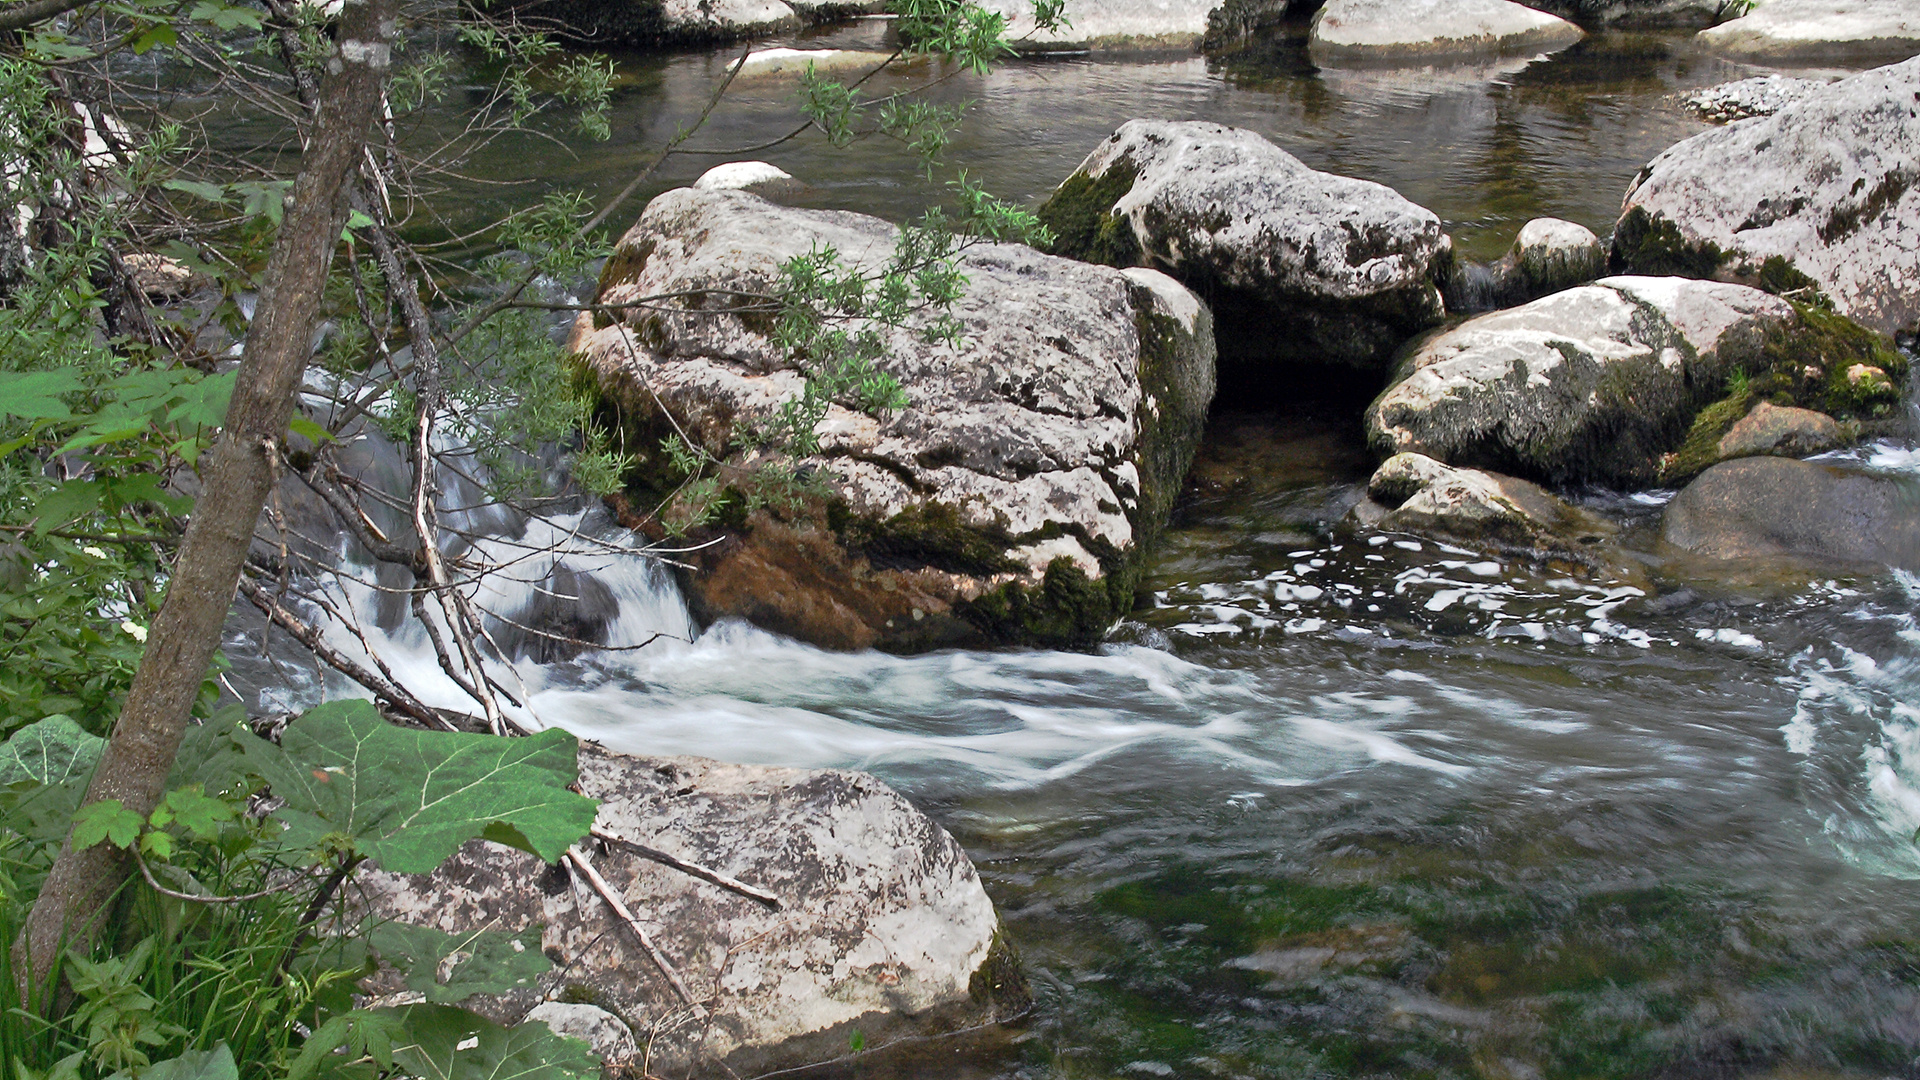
x=679 y=22
x=1299 y=266
x=1109 y=25
x=1762 y=95
x=1770 y=507
x=883 y=928
x=1783 y=431
x=1823 y=195
x=1548 y=256
x=1414 y=493
x=1010 y=501
x=1782 y=31
x=1418 y=31
x=1600 y=383
x=758 y=177
x=1636 y=13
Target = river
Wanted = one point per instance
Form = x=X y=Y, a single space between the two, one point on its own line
x=1332 y=803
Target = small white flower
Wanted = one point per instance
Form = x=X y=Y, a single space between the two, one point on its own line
x=94 y=551
x=134 y=630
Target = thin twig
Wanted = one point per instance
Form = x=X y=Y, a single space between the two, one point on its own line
x=695 y=869
x=581 y=863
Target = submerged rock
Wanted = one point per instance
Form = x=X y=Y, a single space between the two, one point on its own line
x=1770 y=507
x=1299 y=266
x=1109 y=25
x=1376 y=31
x=882 y=929
x=1414 y=493
x=1592 y=384
x=1812 y=30
x=1748 y=98
x=1010 y=501
x=1824 y=194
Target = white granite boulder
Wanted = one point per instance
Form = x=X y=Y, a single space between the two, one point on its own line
x=1421 y=31
x=1594 y=384
x=1111 y=25
x=882 y=926
x=1010 y=500
x=1300 y=266
x=1802 y=31
x=1824 y=193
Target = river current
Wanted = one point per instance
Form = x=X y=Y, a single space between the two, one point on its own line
x=1331 y=802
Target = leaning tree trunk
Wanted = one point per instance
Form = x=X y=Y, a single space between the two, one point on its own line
x=238 y=474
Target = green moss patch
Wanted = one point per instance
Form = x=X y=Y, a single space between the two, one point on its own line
x=1702 y=445
x=1080 y=213
x=927 y=534
x=1066 y=610
x=1809 y=364
x=1644 y=244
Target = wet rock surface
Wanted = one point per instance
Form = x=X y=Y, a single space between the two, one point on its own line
x=1825 y=193
x=883 y=926
x=1770 y=507
x=1300 y=266
x=1813 y=30
x=1009 y=501
x=1400 y=31
x=1593 y=384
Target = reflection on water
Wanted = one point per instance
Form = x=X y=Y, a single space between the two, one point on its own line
x=1336 y=803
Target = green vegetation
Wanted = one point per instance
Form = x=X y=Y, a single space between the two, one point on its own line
x=1080 y=214
x=236 y=953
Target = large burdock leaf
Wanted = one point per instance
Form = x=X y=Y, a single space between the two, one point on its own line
x=408 y=799
x=444 y=1043
x=450 y=968
x=48 y=752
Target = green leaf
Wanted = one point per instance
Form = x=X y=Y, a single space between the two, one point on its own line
x=203 y=402
x=192 y=810
x=214 y=1064
x=437 y=1033
x=105 y=820
x=157 y=34
x=213 y=193
x=313 y=432
x=450 y=968
x=36 y=395
x=49 y=752
x=409 y=798
x=66 y=502
x=211 y=758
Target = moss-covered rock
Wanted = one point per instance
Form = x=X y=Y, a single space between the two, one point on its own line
x=1010 y=502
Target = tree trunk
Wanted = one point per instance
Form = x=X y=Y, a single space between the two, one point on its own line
x=236 y=479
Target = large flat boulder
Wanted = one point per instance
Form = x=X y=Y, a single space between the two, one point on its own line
x=1010 y=501
x=1422 y=31
x=1300 y=266
x=882 y=929
x=1594 y=384
x=1771 y=507
x=1110 y=25
x=662 y=22
x=1825 y=194
x=1820 y=30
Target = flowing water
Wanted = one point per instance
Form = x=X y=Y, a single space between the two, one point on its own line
x=1335 y=803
